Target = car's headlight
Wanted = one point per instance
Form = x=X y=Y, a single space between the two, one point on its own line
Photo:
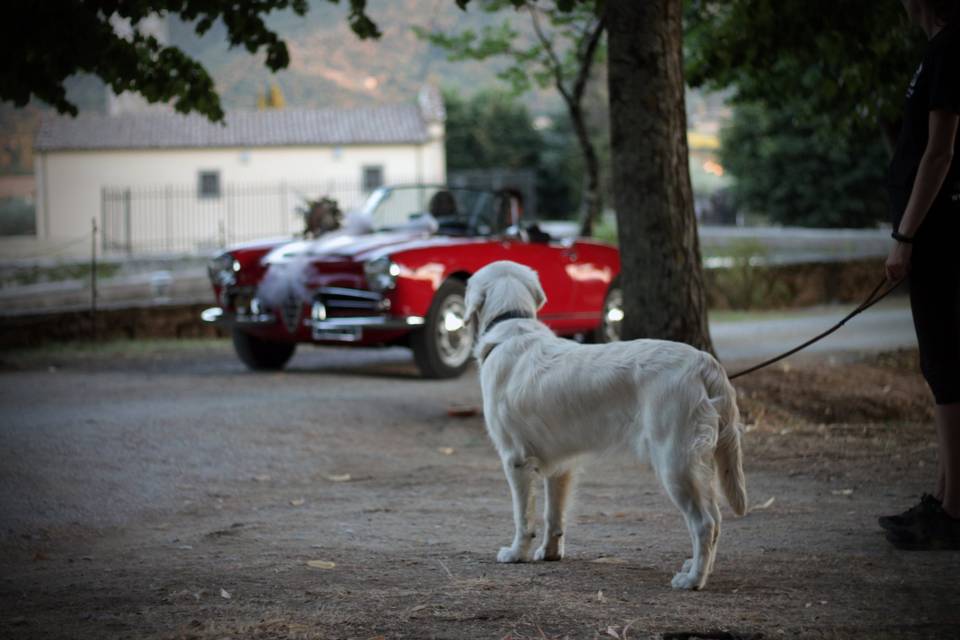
x=223 y=269
x=381 y=273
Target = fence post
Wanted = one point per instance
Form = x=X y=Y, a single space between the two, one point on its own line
x=283 y=207
x=230 y=224
x=103 y=218
x=128 y=231
x=93 y=280
x=168 y=227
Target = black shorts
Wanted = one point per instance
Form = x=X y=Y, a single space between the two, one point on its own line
x=935 y=302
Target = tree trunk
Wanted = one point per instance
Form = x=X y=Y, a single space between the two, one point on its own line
x=592 y=199
x=661 y=271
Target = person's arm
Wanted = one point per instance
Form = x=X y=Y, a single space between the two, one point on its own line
x=933 y=169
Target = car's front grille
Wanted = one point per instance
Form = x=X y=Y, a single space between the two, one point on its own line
x=344 y=301
x=290 y=309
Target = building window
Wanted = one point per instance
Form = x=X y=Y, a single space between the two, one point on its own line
x=372 y=177
x=208 y=184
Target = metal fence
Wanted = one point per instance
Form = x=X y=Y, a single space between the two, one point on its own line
x=179 y=219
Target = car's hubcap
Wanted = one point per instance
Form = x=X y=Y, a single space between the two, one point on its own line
x=454 y=339
x=613 y=316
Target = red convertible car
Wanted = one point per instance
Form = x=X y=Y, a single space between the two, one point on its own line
x=396 y=273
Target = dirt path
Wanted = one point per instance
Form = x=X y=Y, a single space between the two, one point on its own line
x=168 y=493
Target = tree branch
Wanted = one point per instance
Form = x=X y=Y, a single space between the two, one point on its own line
x=586 y=61
x=551 y=54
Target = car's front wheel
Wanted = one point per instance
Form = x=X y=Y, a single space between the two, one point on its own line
x=442 y=347
x=260 y=354
x=612 y=318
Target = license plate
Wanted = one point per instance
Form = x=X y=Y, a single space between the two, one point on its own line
x=347 y=334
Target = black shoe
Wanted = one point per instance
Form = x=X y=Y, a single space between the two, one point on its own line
x=932 y=530
x=927 y=505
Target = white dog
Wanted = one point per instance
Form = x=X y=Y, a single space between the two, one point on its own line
x=548 y=401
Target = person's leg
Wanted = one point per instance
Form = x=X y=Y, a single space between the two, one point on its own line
x=948 y=432
x=935 y=303
x=935 y=306
x=926 y=308
x=937 y=525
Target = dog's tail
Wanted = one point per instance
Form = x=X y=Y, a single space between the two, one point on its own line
x=727 y=454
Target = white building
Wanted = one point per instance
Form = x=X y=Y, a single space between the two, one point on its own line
x=160 y=181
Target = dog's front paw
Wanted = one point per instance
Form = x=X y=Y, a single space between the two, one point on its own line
x=543 y=553
x=685 y=581
x=509 y=555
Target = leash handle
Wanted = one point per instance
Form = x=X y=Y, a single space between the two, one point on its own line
x=871 y=300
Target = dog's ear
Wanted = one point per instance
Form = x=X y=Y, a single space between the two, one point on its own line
x=533 y=285
x=476 y=296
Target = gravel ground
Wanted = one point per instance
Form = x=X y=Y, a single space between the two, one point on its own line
x=161 y=491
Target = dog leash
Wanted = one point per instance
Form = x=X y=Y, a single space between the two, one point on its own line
x=871 y=300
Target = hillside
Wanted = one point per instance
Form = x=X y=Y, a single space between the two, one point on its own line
x=329 y=66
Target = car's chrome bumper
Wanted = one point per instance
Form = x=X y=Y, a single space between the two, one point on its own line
x=351 y=329
x=216 y=315
x=339 y=329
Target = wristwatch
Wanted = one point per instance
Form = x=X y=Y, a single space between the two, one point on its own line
x=899 y=237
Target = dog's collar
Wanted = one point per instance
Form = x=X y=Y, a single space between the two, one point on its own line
x=509 y=315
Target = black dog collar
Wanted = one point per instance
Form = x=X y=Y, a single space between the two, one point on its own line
x=509 y=315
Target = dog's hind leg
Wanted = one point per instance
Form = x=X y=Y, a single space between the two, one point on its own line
x=717 y=519
x=556 y=491
x=519 y=474
x=714 y=510
x=703 y=530
x=687 y=478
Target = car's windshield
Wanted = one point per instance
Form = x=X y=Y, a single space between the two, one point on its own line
x=457 y=211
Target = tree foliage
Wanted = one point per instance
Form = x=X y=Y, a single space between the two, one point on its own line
x=785 y=169
x=561 y=169
x=45 y=42
x=567 y=41
x=571 y=38
x=849 y=59
x=492 y=130
x=818 y=84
